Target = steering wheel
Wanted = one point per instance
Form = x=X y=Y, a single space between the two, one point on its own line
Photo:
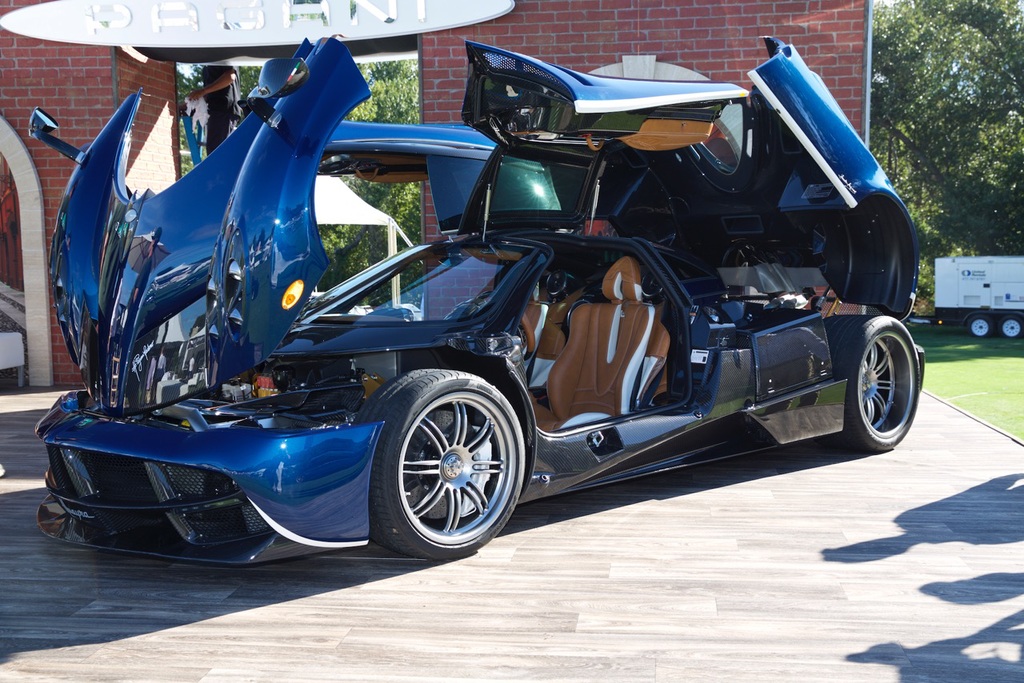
x=651 y=288
x=556 y=284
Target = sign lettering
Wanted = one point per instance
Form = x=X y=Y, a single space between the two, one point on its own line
x=241 y=15
x=99 y=17
x=388 y=18
x=241 y=23
x=175 y=15
x=319 y=12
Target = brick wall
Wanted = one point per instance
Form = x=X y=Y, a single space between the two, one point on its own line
x=81 y=86
x=76 y=84
x=719 y=40
x=154 y=159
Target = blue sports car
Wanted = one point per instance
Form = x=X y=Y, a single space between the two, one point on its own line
x=635 y=276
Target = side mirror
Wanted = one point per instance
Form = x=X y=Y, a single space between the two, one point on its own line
x=41 y=125
x=278 y=78
x=40 y=120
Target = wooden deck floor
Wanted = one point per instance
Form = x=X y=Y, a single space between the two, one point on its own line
x=796 y=565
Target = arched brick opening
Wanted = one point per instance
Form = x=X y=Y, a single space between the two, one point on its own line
x=33 y=252
x=648 y=67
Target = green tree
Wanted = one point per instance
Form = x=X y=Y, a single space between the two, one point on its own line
x=947 y=95
x=394 y=98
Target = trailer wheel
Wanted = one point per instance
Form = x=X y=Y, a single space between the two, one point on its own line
x=1010 y=327
x=979 y=326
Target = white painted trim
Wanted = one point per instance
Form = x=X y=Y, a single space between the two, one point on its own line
x=647 y=371
x=541 y=370
x=33 y=255
x=541 y=319
x=633 y=368
x=844 y=192
x=617 y=286
x=607 y=106
x=613 y=334
x=583 y=418
x=869 y=46
x=303 y=540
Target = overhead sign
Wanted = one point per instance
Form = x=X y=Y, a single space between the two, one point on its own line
x=242 y=23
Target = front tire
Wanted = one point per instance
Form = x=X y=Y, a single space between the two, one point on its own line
x=877 y=358
x=448 y=466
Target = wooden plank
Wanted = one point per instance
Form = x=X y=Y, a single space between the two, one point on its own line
x=799 y=564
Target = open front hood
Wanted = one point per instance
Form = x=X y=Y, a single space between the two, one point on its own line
x=155 y=294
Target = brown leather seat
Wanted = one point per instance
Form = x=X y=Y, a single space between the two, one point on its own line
x=550 y=335
x=598 y=373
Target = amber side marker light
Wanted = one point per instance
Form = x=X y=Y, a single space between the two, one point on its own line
x=292 y=294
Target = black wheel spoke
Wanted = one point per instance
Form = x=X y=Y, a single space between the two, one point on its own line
x=460 y=427
x=453 y=497
x=430 y=501
x=476 y=496
x=434 y=434
x=481 y=438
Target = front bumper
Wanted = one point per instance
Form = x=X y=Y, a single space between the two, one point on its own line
x=233 y=494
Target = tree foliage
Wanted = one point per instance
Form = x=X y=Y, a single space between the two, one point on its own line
x=947 y=121
x=394 y=98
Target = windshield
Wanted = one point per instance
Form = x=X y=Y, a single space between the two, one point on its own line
x=446 y=281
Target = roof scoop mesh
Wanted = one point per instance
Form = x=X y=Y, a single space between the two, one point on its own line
x=511 y=65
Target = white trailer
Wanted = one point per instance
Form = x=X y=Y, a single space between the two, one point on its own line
x=985 y=293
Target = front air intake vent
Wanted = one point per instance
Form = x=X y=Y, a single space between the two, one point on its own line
x=193 y=483
x=219 y=525
x=112 y=478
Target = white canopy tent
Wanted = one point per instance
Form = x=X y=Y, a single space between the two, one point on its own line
x=334 y=203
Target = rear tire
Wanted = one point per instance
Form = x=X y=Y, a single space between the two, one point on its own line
x=1010 y=327
x=877 y=358
x=448 y=466
x=979 y=326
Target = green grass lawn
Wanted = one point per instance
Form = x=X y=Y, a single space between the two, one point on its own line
x=985 y=377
